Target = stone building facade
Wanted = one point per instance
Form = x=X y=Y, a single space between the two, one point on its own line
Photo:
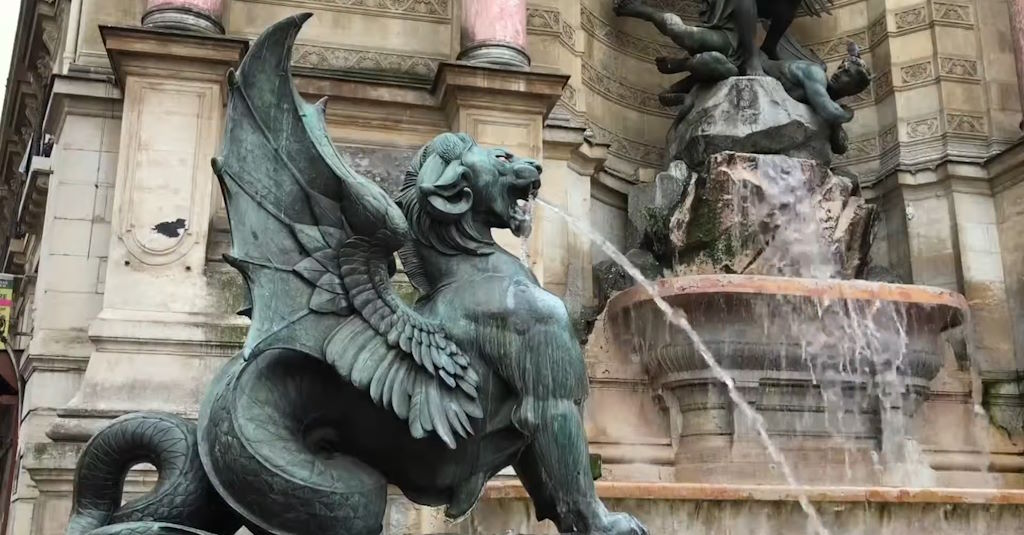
x=112 y=316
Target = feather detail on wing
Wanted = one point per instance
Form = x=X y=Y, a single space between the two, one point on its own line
x=314 y=241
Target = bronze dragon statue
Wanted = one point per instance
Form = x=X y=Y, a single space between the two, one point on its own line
x=342 y=387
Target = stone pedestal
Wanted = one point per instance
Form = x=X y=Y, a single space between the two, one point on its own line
x=167 y=315
x=494 y=33
x=204 y=16
x=503 y=108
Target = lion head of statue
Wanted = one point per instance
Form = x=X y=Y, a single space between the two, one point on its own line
x=456 y=191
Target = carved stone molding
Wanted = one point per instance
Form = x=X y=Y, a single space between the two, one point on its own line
x=966 y=123
x=954 y=13
x=916 y=73
x=608 y=85
x=888 y=138
x=877 y=30
x=859 y=150
x=383 y=64
x=38 y=46
x=628 y=149
x=545 y=20
x=644 y=49
x=570 y=96
x=416 y=9
x=910 y=19
x=923 y=128
x=836 y=47
x=962 y=68
x=882 y=84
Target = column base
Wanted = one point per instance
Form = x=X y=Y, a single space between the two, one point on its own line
x=495 y=53
x=182 y=19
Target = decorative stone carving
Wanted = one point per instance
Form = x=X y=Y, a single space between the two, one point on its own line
x=888 y=138
x=426 y=9
x=362 y=61
x=622 y=41
x=611 y=87
x=629 y=149
x=838 y=47
x=916 y=73
x=877 y=30
x=966 y=68
x=952 y=12
x=882 y=84
x=922 y=128
x=911 y=18
x=966 y=123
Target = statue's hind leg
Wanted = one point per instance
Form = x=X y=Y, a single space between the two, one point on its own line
x=555 y=470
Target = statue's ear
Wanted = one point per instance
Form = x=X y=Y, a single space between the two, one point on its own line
x=445 y=187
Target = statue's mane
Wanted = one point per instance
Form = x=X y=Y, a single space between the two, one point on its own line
x=451 y=236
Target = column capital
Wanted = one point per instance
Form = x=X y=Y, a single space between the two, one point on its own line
x=157 y=52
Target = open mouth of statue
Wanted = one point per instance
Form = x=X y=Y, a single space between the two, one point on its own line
x=521 y=211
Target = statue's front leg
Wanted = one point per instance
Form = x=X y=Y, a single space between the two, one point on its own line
x=555 y=469
x=745 y=17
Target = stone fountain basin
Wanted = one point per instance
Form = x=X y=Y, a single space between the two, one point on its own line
x=835 y=368
x=753 y=324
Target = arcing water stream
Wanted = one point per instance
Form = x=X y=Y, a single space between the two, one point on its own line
x=678 y=318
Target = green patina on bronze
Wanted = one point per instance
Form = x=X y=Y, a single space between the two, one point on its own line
x=343 y=386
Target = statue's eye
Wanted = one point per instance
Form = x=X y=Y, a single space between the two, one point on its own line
x=502 y=157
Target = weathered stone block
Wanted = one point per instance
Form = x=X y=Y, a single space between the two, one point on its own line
x=748 y=114
x=651 y=205
x=771 y=215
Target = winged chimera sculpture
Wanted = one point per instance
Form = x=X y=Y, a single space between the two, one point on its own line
x=341 y=387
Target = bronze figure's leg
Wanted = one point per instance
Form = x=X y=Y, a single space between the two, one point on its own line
x=776 y=30
x=745 y=17
x=555 y=470
x=672 y=64
x=690 y=38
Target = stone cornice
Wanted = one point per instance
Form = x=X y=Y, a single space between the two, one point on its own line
x=38 y=45
x=429 y=10
x=148 y=51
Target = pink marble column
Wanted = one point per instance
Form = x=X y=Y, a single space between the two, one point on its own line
x=187 y=15
x=494 y=32
x=1017 y=31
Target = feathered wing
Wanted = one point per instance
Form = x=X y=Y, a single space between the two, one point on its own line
x=314 y=240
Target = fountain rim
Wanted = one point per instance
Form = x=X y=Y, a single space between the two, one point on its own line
x=828 y=289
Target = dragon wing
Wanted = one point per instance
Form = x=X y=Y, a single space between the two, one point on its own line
x=313 y=240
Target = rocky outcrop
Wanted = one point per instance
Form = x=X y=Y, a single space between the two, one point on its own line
x=748 y=114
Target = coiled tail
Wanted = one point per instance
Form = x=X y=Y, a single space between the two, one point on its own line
x=183 y=501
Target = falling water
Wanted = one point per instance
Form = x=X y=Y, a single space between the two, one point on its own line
x=678 y=318
x=524 y=239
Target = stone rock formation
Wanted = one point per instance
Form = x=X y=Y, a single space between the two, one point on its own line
x=749 y=213
x=748 y=114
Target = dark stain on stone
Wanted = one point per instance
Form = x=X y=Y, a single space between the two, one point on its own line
x=171 y=229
